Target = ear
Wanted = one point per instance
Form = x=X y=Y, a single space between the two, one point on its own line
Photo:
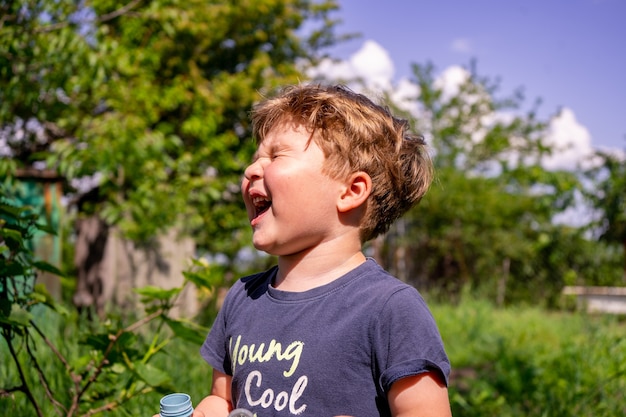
x=357 y=190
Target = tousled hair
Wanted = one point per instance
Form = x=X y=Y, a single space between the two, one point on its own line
x=356 y=134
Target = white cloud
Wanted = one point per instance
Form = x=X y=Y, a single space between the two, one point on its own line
x=405 y=95
x=371 y=64
x=578 y=214
x=371 y=70
x=450 y=81
x=339 y=71
x=462 y=45
x=570 y=140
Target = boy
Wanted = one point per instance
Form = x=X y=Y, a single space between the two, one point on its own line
x=327 y=331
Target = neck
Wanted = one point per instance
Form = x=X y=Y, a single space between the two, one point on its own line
x=303 y=272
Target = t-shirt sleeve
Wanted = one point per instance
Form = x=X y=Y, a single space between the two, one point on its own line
x=216 y=347
x=215 y=350
x=407 y=341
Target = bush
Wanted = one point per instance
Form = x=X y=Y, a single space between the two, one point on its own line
x=530 y=362
x=518 y=361
x=57 y=363
x=179 y=362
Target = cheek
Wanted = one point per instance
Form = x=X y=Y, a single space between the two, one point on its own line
x=243 y=187
x=244 y=195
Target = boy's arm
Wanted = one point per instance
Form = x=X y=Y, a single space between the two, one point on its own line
x=218 y=404
x=422 y=395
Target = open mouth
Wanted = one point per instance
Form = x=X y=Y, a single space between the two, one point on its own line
x=261 y=205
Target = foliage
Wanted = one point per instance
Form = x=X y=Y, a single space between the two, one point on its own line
x=97 y=367
x=488 y=220
x=608 y=195
x=150 y=100
x=526 y=361
x=518 y=361
x=177 y=367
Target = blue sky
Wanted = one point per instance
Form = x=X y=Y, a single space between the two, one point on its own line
x=569 y=53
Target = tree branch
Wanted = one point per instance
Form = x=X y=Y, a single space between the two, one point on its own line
x=44 y=381
x=75 y=378
x=104 y=18
x=52 y=347
x=119 y=12
x=24 y=387
x=104 y=361
x=112 y=404
x=4 y=392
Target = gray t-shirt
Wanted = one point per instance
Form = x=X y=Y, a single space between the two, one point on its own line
x=333 y=350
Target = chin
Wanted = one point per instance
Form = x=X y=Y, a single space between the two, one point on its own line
x=269 y=249
x=264 y=247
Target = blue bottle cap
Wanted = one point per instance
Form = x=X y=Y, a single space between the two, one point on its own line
x=176 y=405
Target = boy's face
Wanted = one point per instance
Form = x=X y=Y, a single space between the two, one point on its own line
x=291 y=204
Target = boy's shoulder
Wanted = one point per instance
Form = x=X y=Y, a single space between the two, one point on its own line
x=368 y=282
x=379 y=281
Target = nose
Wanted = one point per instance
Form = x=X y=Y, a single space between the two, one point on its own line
x=254 y=170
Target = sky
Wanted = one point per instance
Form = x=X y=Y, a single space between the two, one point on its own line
x=571 y=54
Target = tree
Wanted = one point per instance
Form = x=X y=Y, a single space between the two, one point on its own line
x=608 y=196
x=43 y=62
x=115 y=362
x=150 y=101
x=487 y=222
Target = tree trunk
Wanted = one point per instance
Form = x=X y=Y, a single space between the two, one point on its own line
x=624 y=275
x=506 y=268
x=91 y=240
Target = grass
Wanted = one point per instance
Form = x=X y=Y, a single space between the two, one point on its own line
x=517 y=361
x=188 y=371
x=525 y=361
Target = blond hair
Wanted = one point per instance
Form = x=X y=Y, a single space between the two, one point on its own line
x=356 y=134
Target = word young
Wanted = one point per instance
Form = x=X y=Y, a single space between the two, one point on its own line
x=242 y=353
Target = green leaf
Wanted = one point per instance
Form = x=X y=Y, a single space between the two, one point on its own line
x=118 y=368
x=151 y=375
x=81 y=362
x=17 y=316
x=47 y=267
x=39 y=298
x=98 y=341
x=126 y=341
x=12 y=269
x=46 y=228
x=199 y=279
x=41 y=292
x=150 y=293
x=10 y=211
x=187 y=331
x=13 y=239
